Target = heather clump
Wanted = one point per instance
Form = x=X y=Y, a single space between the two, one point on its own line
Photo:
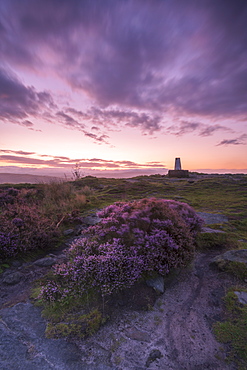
x=32 y=219
x=24 y=228
x=133 y=240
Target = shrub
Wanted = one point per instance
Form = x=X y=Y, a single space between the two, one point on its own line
x=24 y=228
x=133 y=240
x=30 y=218
x=59 y=198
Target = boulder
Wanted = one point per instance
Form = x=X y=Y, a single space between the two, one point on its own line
x=212 y=218
x=208 y=230
x=12 y=278
x=242 y=297
x=238 y=255
x=154 y=355
x=158 y=283
x=91 y=220
x=68 y=232
x=45 y=262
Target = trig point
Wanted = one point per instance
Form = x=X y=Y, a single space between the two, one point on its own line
x=178 y=172
x=177 y=164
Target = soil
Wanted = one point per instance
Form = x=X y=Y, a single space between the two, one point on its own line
x=175 y=333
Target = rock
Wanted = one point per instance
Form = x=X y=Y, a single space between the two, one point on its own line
x=154 y=355
x=68 y=232
x=157 y=283
x=79 y=229
x=12 y=278
x=72 y=240
x=137 y=334
x=238 y=255
x=212 y=218
x=206 y=230
x=91 y=220
x=16 y=264
x=45 y=262
x=24 y=346
x=242 y=297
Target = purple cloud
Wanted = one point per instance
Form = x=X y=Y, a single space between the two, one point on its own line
x=16 y=152
x=209 y=130
x=69 y=121
x=241 y=140
x=18 y=102
x=186 y=127
x=147 y=122
x=30 y=158
x=136 y=60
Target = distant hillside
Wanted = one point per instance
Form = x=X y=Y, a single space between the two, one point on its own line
x=14 y=178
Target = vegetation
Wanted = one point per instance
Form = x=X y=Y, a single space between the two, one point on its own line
x=133 y=240
x=75 y=298
x=29 y=218
x=234 y=329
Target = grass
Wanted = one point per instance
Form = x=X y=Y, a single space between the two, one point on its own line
x=209 y=241
x=76 y=317
x=218 y=194
x=233 y=330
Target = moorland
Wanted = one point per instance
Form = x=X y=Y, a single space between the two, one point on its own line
x=40 y=219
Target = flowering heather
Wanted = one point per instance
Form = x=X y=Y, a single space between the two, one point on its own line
x=23 y=228
x=133 y=240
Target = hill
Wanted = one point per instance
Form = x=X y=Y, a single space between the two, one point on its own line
x=15 y=178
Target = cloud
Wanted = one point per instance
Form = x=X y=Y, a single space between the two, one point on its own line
x=241 y=140
x=201 y=129
x=31 y=159
x=16 y=152
x=161 y=56
x=147 y=122
x=184 y=128
x=27 y=123
x=209 y=130
x=136 y=61
x=69 y=121
x=98 y=139
x=18 y=102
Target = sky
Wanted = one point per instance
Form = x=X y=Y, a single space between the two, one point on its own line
x=123 y=86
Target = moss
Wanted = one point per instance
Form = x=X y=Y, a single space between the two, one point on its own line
x=233 y=330
x=238 y=269
x=207 y=241
x=75 y=326
x=3 y=267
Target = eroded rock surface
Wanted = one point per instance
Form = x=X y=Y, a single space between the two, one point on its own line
x=175 y=334
x=238 y=255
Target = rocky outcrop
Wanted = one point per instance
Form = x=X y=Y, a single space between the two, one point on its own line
x=23 y=344
x=212 y=218
x=174 y=334
x=238 y=255
x=242 y=297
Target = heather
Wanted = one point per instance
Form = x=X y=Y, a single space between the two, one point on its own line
x=134 y=240
x=31 y=219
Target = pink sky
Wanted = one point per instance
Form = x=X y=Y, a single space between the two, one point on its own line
x=123 y=86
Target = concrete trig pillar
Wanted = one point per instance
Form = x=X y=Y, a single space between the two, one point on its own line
x=177 y=164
